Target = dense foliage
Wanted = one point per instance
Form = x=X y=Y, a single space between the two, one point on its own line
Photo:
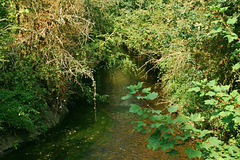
x=47 y=46
x=199 y=71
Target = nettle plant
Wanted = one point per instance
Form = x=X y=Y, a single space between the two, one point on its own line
x=172 y=129
x=220 y=108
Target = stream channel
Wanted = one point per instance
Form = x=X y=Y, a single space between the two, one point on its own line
x=79 y=137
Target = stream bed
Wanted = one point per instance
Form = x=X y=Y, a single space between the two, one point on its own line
x=111 y=137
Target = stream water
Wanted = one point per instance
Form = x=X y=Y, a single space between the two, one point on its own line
x=111 y=137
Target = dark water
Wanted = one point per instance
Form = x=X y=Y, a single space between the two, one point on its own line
x=111 y=137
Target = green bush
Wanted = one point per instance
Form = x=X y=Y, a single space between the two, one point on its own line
x=22 y=99
x=213 y=128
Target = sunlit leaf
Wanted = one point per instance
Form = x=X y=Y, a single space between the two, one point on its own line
x=225 y=88
x=152 y=96
x=231 y=37
x=214 y=141
x=238 y=99
x=234 y=93
x=224 y=114
x=216 y=88
x=237 y=120
x=146 y=90
x=179 y=119
x=172 y=109
x=139 y=85
x=211 y=102
x=196 y=89
x=196 y=117
x=188 y=127
x=223 y=9
x=232 y=20
x=157 y=111
x=233 y=149
x=230 y=108
x=210 y=93
x=211 y=83
x=204 y=133
x=236 y=66
x=216 y=30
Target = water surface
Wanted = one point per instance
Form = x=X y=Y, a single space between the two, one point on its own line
x=111 y=137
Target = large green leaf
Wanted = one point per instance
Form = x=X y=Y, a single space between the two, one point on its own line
x=216 y=88
x=204 y=133
x=233 y=149
x=211 y=142
x=196 y=117
x=232 y=20
x=135 y=109
x=156 y=125
x=225 y=88
x=224 y=113
x=132 y=89
x=156 y=117
x=230 y=108
x=152 y=96
x=237 y=120
x=216 y=30
x=211 y=83
x=187 y=127
x=146 y=90
x=193 y=153
x=210 y=93
x=153 y=143
x=236 y=66
x=237 y=112
x=196 y=89
x=172 y=109
x=238 y=99
x=231 y=37
x=180 y=119
x=157 y=111
x=234 y=93
x=211 y=102
x=139 y=123
x=169 y=120
x=139 y=85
